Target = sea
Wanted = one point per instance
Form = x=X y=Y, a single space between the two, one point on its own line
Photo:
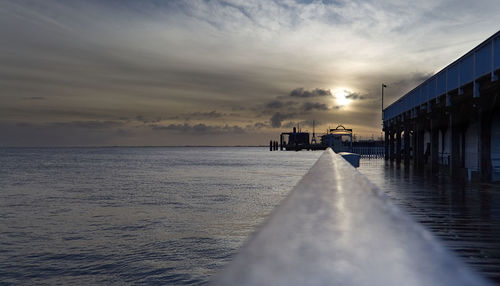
x=177 y=215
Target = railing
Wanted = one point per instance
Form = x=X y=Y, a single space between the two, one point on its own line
x=370 y=152
x=337 y=228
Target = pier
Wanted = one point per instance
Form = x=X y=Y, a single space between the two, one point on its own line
x=337 y=228
x=451 y=122
x=339 y=139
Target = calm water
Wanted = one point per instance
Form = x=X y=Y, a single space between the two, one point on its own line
x=465 y=216
x=170 y=216
x=175 y=216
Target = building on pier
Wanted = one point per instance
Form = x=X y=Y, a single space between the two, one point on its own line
x=339 y=139
x=294 y=141
x=451 y=121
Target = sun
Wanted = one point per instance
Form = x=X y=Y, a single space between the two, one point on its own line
x=342 y=96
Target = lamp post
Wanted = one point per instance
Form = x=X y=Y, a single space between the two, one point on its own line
x=384 y=131
x=383 y=86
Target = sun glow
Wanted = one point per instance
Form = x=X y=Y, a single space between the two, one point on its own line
x=342 y=96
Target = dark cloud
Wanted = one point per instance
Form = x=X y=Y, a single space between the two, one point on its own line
x=200 y=129
x=301 y=92
x=278 y=104
x=145 y=120
x=205 y=115
x=293 y=106
x=308 y=106
x=289 y=124
x=277 y=118
x=290 y=110
x=302 y=124
x=354 y=96
x=198 y=115
x=259 y=125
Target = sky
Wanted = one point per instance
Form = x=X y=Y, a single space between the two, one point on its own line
x=210 y=72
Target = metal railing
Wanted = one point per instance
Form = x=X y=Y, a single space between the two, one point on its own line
x=369 y=152
x=337 y=228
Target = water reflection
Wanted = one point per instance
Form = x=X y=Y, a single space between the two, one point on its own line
x=466 y=216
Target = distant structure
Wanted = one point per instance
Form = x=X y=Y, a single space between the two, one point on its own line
x=313 y=140
x=451 y=122
x=294 y=141
x=339 y=139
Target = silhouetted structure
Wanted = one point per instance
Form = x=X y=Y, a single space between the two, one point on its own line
x=451 y=122
x=339 y=139
x=294 y=141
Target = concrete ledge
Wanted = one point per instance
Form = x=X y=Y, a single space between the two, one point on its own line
x=337 y=228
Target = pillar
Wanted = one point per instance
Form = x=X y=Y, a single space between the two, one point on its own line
x=406 y=144
x=419 y=143
x=434 y=145
x=456 y=142
x=391 y=144
x=398 y=143
x=386 y=144
x=485 y=167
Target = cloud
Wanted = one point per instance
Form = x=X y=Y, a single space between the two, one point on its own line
x=411 y=80
x=77 y=133
x=297 y=109
x=204 y=115
x=277 y=118
x=308 y=106
x=200 y=129
x=403 y=84
x=260 y=125
x=278 y=104
x=354 y=96
x=145 y=120
x=302 y=124
x=301 y=92
x=94 y=124
x=289 y=124
x=97 y=61
x=35 y=98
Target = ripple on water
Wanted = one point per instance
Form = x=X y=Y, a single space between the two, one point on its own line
x=118 y=216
